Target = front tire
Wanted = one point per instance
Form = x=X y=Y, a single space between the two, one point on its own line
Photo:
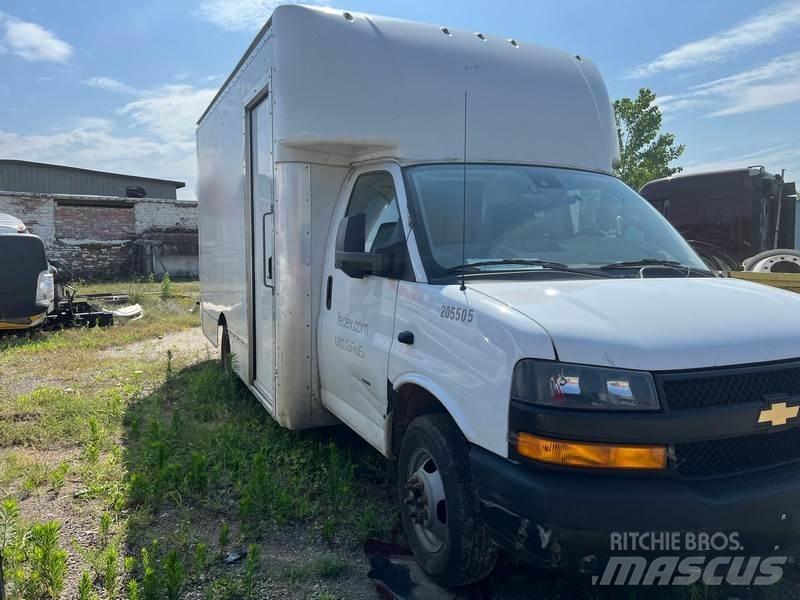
x=439 y=509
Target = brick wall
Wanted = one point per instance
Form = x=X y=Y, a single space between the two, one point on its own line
x=100 y=223
x=104 y=237
x=37 y=213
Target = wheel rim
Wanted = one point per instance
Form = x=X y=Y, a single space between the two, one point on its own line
x=425 y=500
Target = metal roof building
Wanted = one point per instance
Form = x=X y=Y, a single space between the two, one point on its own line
x=43 y=178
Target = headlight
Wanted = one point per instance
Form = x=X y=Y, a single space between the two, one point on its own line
x=563 y=385
x=45 y=289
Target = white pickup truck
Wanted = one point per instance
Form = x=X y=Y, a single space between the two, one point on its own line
x=415 y=230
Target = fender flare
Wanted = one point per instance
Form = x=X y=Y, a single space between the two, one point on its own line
x=446 y=399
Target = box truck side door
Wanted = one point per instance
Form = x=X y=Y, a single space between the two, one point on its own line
x=357 y=318
x=263 y=261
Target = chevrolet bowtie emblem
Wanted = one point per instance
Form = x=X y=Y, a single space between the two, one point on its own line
x=778 y=414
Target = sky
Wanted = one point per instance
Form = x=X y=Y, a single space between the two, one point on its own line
x=118 y=86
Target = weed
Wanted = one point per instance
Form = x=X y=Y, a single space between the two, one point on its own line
x=224 y=536
x=224 y=588
x=328 y=530
x=200 y=563
x=151 y=580
x=170 y=359
x=37 y=475
x=166 y=287
x=9 y=521
x=197 y=476
x=253 y=556
x=58 y=477
x=105 y=528
x=85 y=587
x=133 y=590
x=110 y=570
x=47 y=563
x=92 y=448
x=173 y=575
x=329 y=566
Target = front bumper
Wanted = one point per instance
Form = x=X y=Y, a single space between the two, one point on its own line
x=22 y=323
x=563 y=518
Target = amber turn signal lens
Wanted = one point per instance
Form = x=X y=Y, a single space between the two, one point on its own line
x=584 y=454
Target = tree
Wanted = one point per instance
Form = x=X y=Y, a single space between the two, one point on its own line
x=645 y=152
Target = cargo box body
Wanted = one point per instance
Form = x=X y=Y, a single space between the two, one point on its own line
x=318 y=93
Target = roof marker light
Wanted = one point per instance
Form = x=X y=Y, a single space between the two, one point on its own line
x=513 y=42
x=578 y=56
x=347 y=16
x=445 y=31
x=480 y=36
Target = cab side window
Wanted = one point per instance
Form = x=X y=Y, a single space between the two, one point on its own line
x=374 y=195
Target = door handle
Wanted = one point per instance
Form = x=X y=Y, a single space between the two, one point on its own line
x=405 y=337
x=329 y=292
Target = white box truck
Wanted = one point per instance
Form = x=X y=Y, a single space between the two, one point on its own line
x=415 y=231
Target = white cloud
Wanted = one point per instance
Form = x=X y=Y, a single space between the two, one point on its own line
x=774 y=83
x=239 y=15
x=31 y=41
x=170 y=112
x=112 y=85
x=160 y=143
x=763 y=28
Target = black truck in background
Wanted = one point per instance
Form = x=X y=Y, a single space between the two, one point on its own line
x=733 y=214
x=26 y=283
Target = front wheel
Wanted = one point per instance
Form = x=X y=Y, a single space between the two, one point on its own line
x=439 y=509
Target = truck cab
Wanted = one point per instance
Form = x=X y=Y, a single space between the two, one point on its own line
x=416 y=231
x=565 y=332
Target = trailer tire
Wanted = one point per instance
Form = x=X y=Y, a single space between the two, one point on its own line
x=449 y=539
x=774 y=261
x=225 y=350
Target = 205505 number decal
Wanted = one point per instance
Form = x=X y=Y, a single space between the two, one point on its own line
x=456 y=313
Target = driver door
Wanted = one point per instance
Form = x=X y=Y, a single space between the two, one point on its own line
x=357 y=315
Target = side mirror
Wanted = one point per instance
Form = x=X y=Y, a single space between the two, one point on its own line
x=350 y=255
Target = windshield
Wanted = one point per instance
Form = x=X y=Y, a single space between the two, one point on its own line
x=579 y=219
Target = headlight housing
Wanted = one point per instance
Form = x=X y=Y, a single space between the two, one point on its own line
x=564 y=385
x=45 y=289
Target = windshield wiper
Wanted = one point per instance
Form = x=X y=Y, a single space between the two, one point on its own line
x=654 y=262
x=544 y=264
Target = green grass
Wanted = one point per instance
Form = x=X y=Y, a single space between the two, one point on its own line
x=202 y=438
x=144 y=444
x=161 y=315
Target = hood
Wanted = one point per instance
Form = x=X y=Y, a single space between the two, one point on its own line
x=658 y=324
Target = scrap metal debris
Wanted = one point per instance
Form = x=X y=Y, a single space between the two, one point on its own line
x=398 y=576
x=69 y=309
x=234 y=556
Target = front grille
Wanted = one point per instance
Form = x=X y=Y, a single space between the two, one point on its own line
x=689 y=391
x=722 y=457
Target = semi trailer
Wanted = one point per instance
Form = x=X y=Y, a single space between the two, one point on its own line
x=740 y=213
x=414 y=230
